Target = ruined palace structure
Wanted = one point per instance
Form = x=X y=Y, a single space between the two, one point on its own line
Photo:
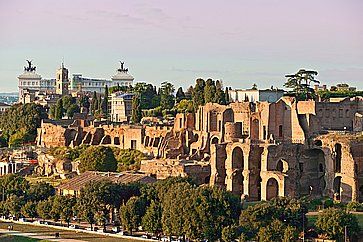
x=260 y=149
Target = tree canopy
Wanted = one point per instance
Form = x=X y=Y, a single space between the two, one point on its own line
x=97 y=158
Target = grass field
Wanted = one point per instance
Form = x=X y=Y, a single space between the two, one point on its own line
x=15 y=238
x=65 y=234
x=50 y=180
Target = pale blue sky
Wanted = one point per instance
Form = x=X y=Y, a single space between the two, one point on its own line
x=238 y=41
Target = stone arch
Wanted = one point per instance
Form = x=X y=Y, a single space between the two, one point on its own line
x=272 y=188
x=338 y=158
x=196 y=137
x=214 y=140
x=337 y=188
x=318 y=142
x=207 y=180
x=70 y=136
x=237 y=158
x=282 y=166
x=321 y=167
x=255 y=129
x=258 y=183
x=237 y=182
x=106 y=140
x=146 y=141
x=361 y=193
x=116 y=141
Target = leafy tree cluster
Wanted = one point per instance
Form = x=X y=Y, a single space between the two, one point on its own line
x=277 y=220
x=97 y=158
x=19 y=123
x=100 y=158
x=175 y=207
x=65 y=106
x=326 y=94
x=99 y=104
x=332 y=223
x=128 y=159
x=208 y=91
x=300 y=84
x=18 y=197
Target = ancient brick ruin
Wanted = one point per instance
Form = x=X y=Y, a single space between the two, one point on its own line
x=260 y=149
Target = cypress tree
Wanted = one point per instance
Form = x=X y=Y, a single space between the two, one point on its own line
x=179 y=95
x=226 y=96
x=59 y=110
x=105 y=102
x=136 y=114
x=219 y=97
x=94 y=104
x=209 y=91
x=198 y=93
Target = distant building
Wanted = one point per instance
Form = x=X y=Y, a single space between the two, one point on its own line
x=82 y=84
x=120 y=106
x=319 y=88
x=30 y=81
x=255 y=95
x=343 y=87
x=7 y=167
x=4 y=107
x=62 y=81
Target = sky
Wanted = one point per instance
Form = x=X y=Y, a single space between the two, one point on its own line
x=240 y=42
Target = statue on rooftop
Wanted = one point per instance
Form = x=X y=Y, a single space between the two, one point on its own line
x=122 y=69
x=29 y=67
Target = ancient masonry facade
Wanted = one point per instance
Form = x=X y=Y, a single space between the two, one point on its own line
x=260 y=150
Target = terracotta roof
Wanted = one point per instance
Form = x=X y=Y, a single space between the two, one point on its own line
x=78 y=182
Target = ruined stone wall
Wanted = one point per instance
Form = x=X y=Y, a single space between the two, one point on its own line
x=335 y=115
x=164 y=168
x=50 y=135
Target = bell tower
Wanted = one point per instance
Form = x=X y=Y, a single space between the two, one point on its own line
x=62 y=81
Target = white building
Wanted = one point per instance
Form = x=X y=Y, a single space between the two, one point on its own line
x=121 y=78
x=7 y=167
x=4 y=107
x=32 y=81
x=255 y=95
x=120 y=106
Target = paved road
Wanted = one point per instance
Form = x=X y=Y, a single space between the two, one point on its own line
x=37 y=236
x=317 y=213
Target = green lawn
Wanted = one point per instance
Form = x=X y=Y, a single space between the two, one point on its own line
x=16 y=238
x=65 y=234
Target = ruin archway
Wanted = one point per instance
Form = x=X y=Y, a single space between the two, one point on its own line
x=106 y=140
x=259 y=180
x=237 y=158
x=272 y=188
x=338 y=157
x=361 y=193
x=214 y=140
x=255 y=130
x=337 y=184
x=116 y=141
x=281 y=166
x=237 y=182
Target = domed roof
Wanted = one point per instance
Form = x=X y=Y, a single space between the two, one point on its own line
x=122 y=75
